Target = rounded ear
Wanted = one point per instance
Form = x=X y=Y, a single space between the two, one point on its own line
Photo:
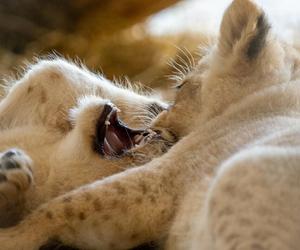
x=244 y=30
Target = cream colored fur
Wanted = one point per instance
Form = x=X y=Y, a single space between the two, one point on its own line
x=230 y=183
x=48 y=122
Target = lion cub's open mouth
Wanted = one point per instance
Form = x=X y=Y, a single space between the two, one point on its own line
x=113 y=137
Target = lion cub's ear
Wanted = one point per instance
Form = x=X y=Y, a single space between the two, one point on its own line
x=244 y=30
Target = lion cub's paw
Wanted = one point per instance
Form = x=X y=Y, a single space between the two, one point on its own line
x=15 y=173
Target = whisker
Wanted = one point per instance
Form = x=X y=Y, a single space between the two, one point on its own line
x=193 y=64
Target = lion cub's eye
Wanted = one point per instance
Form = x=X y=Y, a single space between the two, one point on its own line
x=179 y=86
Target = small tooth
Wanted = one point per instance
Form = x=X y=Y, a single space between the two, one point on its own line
x=107 y=123
x=150 y=131
x=118 y=110
x=138 y=138
x=148 y=138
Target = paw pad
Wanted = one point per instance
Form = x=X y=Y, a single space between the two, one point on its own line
x=15 y=170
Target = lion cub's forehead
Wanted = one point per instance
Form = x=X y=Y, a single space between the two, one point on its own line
x=196 y=76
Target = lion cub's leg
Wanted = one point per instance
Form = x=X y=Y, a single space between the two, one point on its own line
x=118 y=212
x=254 y=203
x=15 y=179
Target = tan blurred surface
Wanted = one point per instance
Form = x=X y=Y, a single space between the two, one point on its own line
x=23 y=21
x=107 y=35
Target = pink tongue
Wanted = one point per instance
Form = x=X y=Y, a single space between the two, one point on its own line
x=112 y=144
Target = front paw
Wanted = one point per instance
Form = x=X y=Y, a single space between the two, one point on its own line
x=15 y=178
x=15 y=172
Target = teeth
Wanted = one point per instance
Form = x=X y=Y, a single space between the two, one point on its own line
x=138 y=138
x=143 y=139
x=151 y=132
x=107 y=122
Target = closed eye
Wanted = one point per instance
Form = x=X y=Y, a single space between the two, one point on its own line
x=179 y=86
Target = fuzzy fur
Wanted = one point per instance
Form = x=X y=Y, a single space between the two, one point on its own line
x=48 y=122
x=230 y=183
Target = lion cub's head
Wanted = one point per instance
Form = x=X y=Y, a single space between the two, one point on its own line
x=246 y=58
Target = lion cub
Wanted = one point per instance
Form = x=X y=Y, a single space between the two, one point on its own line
x=232 y=180
x=59 y=129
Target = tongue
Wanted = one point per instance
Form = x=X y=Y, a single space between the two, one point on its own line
x=116 y=140
x=108 y=150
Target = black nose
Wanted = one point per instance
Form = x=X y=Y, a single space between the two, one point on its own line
x=155 y=108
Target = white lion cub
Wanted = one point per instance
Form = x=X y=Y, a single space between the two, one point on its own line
x=59 y=129
x=232 y=180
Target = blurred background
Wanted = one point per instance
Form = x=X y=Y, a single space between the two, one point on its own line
x=132 y=38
